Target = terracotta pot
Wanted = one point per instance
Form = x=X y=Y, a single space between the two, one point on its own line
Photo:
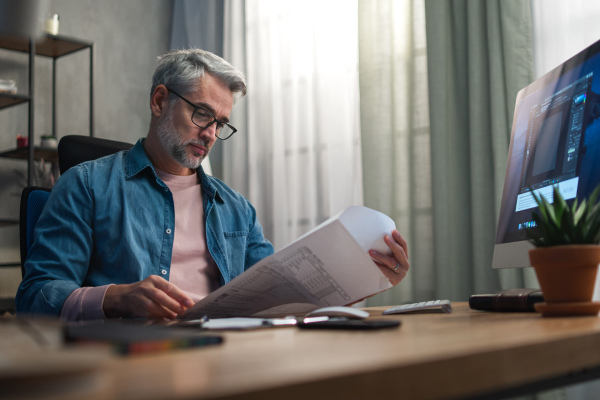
x=566 y=273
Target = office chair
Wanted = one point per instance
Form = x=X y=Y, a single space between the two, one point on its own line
x=72 y=150
x=33 y=200
x=75 y=149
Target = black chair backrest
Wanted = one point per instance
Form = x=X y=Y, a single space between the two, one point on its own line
x=72 y=150
x=75 y=149
x=33 y=199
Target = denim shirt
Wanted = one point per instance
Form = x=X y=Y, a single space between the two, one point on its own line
x=113 y=221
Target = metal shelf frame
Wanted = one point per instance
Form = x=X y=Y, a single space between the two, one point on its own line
x=54 y=46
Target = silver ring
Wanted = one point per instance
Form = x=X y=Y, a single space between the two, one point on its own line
x=397 y=266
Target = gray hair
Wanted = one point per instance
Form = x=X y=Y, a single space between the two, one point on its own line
x=179 y=70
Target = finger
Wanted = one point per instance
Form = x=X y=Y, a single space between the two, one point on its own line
x=171 y=297
x=156 y=311
x=162 y=299
x=383 y=259
x=401 y=241
x=136 y=300
x=399 y=254
x=387 y=264
x=398 y=251
x=182 y=297
x=148 y=308
x=397 y=268
x=393 y=276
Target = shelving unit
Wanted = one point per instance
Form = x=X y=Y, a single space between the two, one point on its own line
x=8 y=100
x=55 y=47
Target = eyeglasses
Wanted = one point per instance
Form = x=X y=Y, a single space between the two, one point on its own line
x=203 y=119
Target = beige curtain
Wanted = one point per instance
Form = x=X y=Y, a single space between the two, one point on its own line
x=438 y=82
x=300 y=163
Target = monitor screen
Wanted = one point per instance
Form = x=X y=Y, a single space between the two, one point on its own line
x=555 y=140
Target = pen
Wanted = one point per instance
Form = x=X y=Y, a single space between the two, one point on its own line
x=195 y=322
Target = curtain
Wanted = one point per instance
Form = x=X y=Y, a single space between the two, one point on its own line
x=395 y=133
x=235 y=150
x=562 y=29
x=296 y=155
x=303 y=147
x=479 y=57
x=436 y=115
x=198 y=23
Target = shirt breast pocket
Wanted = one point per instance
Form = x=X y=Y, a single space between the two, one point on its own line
x=235 y=243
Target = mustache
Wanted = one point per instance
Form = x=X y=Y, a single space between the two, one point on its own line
x=197 y=142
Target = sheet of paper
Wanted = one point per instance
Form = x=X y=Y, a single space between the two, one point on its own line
x=368 y=227
x=329 y=266
x=236 y=323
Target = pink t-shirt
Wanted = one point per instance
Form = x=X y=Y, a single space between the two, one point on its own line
x=193 y=269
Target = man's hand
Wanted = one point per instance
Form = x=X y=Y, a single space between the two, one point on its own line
x=387 y=264
x=394 y=267
x=154 y=297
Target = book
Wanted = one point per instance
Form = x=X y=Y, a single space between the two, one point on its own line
x=126 y=338
x=517 y=300
x=328 y=266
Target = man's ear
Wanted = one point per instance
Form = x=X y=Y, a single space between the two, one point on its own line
x=159 y=100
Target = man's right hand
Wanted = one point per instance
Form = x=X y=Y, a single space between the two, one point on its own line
x=154 y=297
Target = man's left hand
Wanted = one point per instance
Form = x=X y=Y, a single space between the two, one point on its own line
x=395 y=266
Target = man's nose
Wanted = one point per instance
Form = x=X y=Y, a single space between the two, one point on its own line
x=210 y=130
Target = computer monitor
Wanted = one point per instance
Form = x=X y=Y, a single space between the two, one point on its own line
x=555 y=140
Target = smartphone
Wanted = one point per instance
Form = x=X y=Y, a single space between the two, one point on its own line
x=353 y=324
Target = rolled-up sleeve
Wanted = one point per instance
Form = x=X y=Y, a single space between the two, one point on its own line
x=85 y=304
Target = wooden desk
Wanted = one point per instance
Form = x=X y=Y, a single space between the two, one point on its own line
x=431 y=356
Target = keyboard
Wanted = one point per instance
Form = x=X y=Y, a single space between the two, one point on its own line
x=442 y=306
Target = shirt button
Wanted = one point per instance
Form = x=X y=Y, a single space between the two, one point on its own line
x=166 y=189
x=164 y=271
x=168 y=231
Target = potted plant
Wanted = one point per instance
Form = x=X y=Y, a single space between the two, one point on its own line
x=566 y=253
x=49 y=141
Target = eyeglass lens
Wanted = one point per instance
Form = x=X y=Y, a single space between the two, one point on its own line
x=204 y=119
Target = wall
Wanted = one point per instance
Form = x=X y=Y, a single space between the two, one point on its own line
x=128 y=36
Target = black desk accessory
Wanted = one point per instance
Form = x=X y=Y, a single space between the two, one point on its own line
x=515 y=300
x=349 y=323
x=127 y=337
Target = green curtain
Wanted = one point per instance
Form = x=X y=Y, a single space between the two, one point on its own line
x=441 y=179
x=480 y=54
x=395 y=133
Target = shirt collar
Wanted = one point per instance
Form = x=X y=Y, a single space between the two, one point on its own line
x=208 y=186
x=137 y=161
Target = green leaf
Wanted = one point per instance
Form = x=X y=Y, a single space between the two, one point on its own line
x=540 y=204
x=568 y=224
x=559 y=205
x=579 y=212
x=559 y=224
x=551 y=215
x=594 y=196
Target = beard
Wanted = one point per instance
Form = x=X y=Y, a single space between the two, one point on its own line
x=176 y=147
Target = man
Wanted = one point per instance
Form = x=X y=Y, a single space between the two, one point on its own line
x=145 y=233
